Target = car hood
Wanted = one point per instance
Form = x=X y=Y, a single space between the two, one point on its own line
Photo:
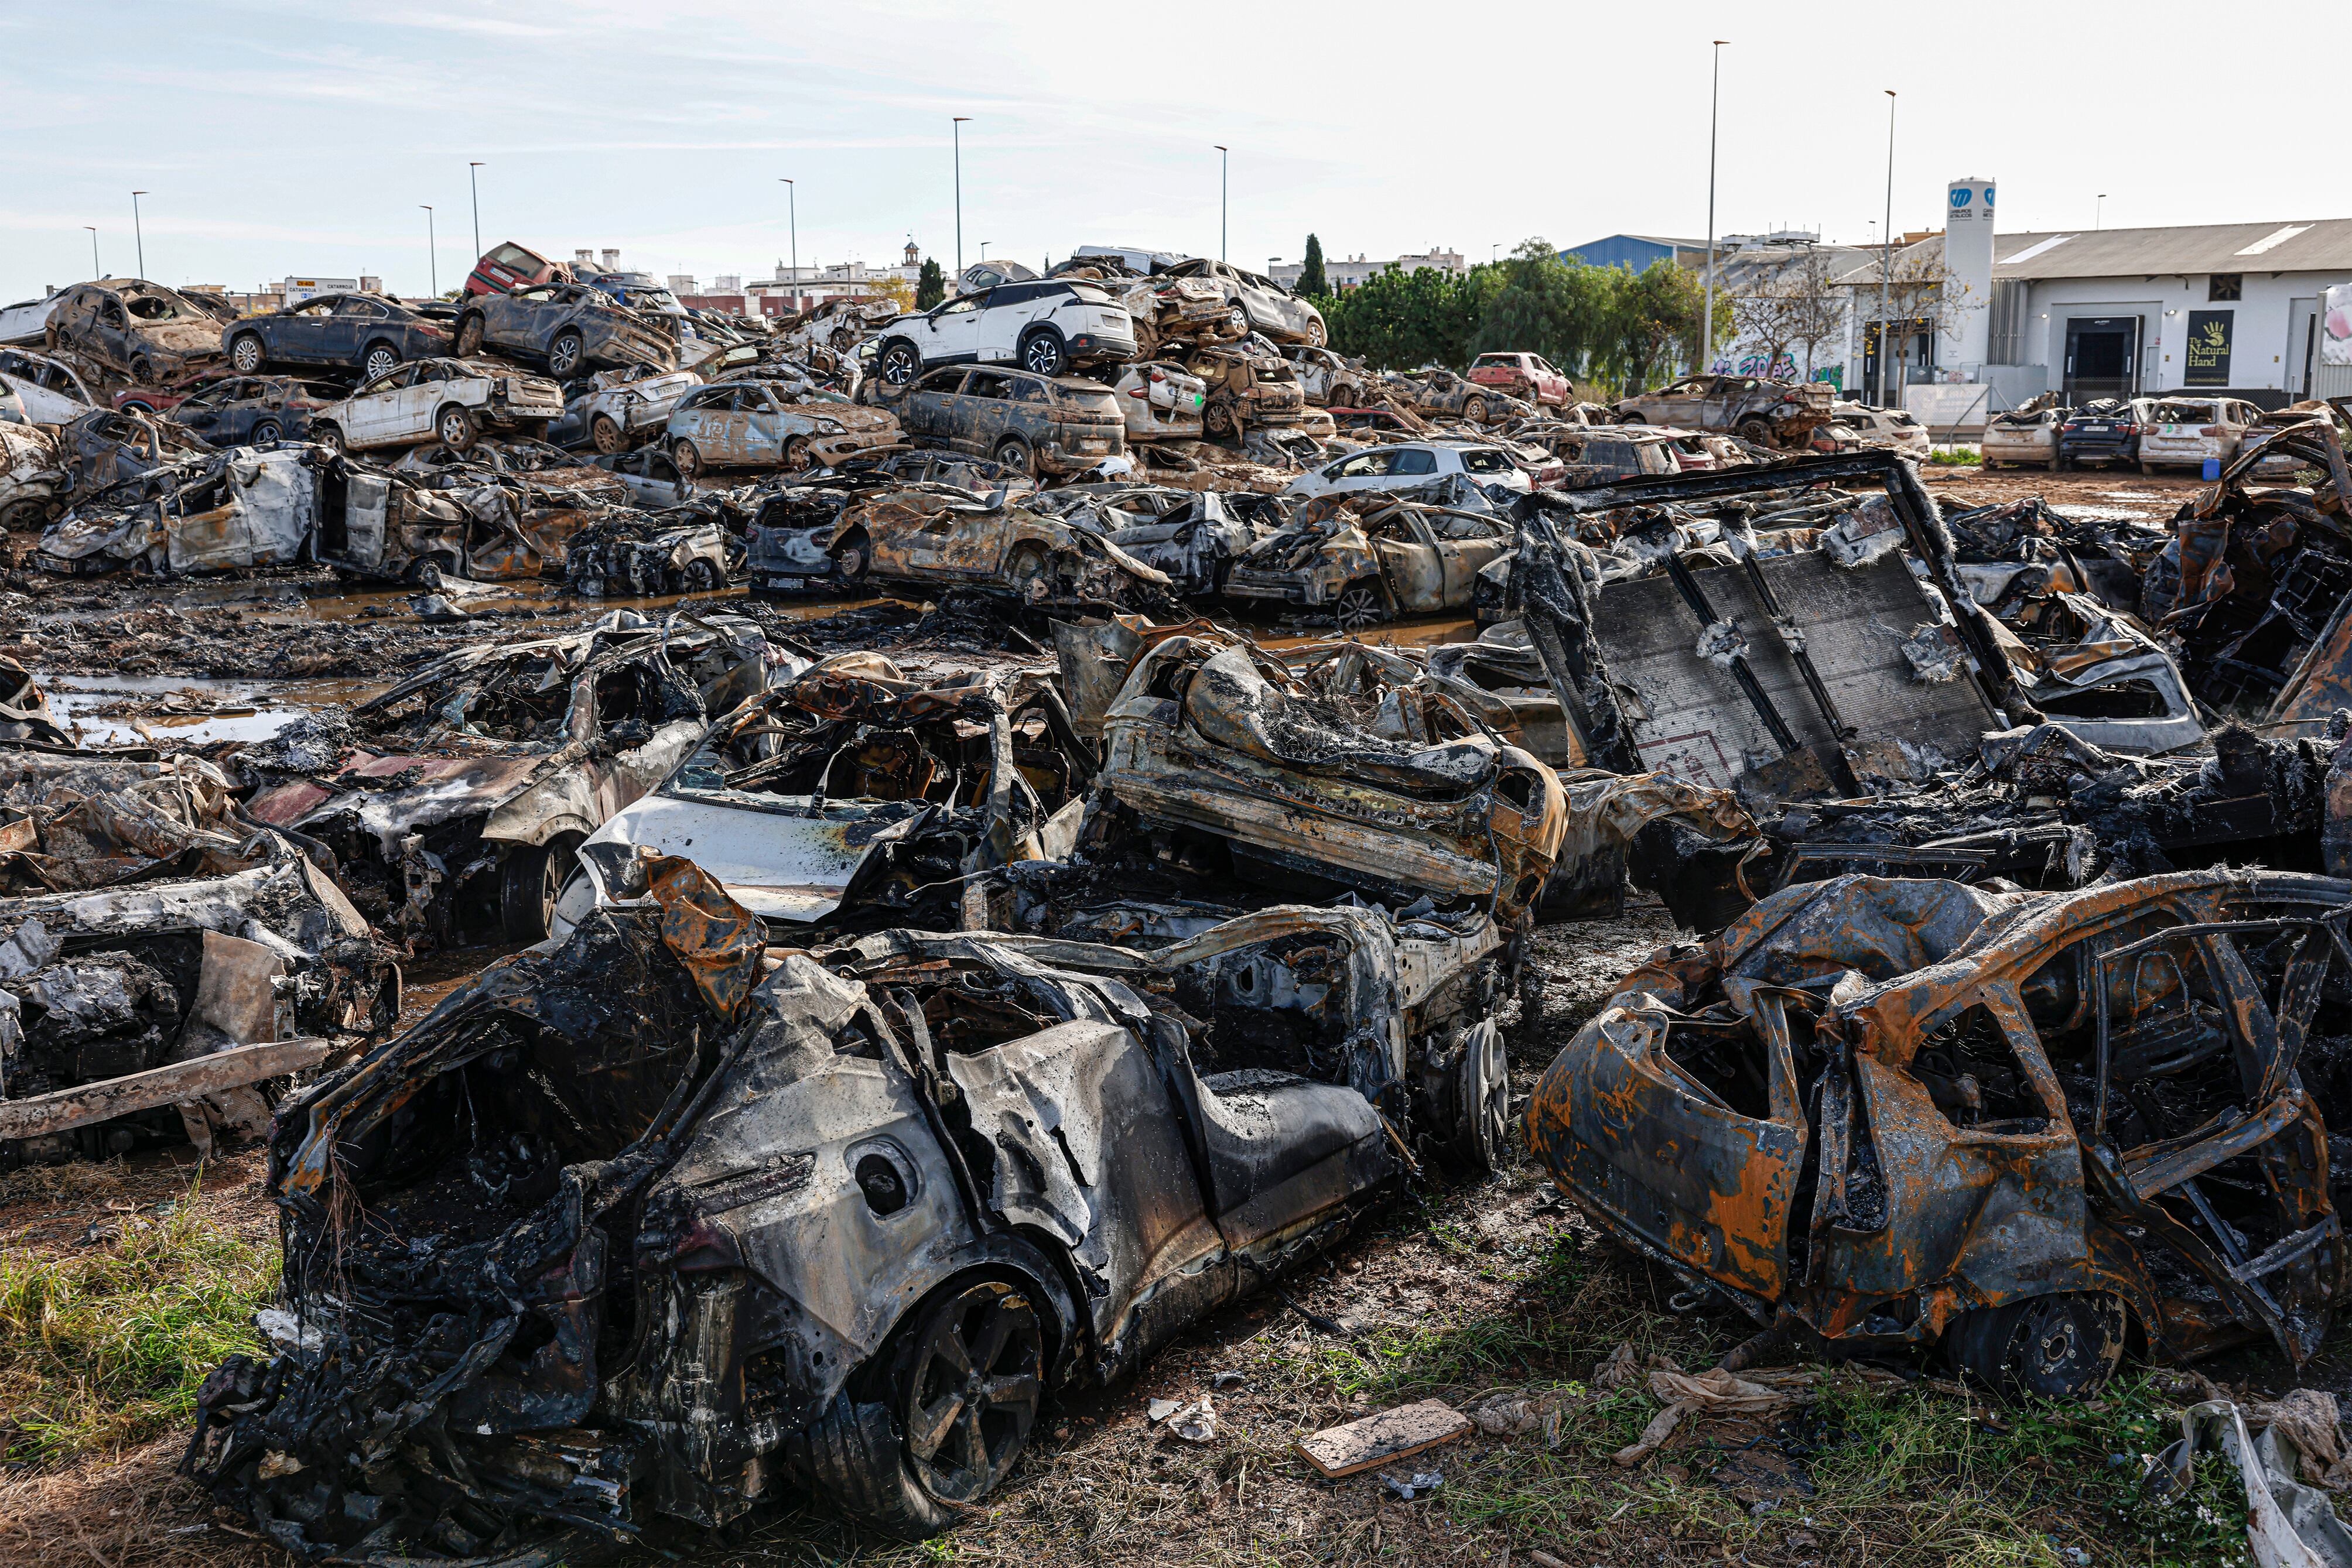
x=780 y=865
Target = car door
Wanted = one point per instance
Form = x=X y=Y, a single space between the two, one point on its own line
x=370 y=413
x=953 y=331
x=296 y=336
x=930 y=405
x=1412 y=466
x=1362 y=471
x=115 y=341
x=1681 y=403
x=201 y=413
x=759 y=425
x=508 y=319
x=1464 y=546
x=1009 y=311
x=1409 y=558
x=355 y=323
x=983 y=414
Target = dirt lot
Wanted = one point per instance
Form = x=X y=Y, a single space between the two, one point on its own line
x=2086 y=492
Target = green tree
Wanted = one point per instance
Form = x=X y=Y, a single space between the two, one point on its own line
x=1537 y=303
x=1311 y=281
x=1400 y=319
x=1655 y=326
x=931 y=285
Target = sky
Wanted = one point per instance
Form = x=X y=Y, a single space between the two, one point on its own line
x=275 y=139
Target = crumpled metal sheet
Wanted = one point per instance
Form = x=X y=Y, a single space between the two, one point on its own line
x=716 y=938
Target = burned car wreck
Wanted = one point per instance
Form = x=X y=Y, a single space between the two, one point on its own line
x=2038 y=1129
x=657 y=1221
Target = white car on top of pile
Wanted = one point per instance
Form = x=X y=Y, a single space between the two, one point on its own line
x=1411 y=466
x=1045 y=326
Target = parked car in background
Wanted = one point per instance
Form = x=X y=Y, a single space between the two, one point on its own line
x=1768 y=413
x=369 y=332
x=1272 y=308
x=26 y=321
x=1032 y=424
x=505 y=267
x=141 y=331
x=46 y=393
x=2023 y=438
x=1326 y=378
x=2104 y=430
x=1527 y=376
x=447 y=400
x=1410 y=465
x=762 y=425
x=1602 y=455
x=1160 y=400
x=568 y=327
x=613 y=411
x=1435 y=390
x=1890 y=427
x=2184 y=432
x=1244 y=386
x=253 y=411
x=1046 y=327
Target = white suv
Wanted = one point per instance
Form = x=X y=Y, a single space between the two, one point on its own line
x=1410 y=465
x=1046 y=326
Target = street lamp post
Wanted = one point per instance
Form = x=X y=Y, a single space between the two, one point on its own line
x=983 y=248
x=2099 y=217
x=792 y=205
x=432 y=252
x=1886 y=255
x=959 y=124
x=95 y=270
x=1707 y=323
x=1223 y=159
x=139 y=233
x=474 y=186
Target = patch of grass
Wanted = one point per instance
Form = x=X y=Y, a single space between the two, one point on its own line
x=1955 y=457
x=101 y=1349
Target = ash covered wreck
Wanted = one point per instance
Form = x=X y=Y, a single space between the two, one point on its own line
x=2035 y=1129
x=661 y=1221
x=455 y=802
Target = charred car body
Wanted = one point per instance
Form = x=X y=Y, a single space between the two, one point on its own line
x=136 y=330
x=939 y=538
x=570 y=327
x=1767 y=412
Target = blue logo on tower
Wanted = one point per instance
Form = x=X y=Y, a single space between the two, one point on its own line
x=1988 y=195
x=1961 y=195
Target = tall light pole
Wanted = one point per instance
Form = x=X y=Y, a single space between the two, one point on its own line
x=139 y=233
x=959 y=177
x=432 y=253
x=792 y=205
x=2099 y=218
x=1886 y=255
x=95 y=270
x=1224 y=159
x=983 y=248
x=474 y=186
x=1706 y=322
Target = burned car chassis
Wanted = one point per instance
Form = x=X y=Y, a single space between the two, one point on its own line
x=2040 y=1128
x=660 y=1220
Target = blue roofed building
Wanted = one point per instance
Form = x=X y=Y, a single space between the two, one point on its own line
x=1637 y=251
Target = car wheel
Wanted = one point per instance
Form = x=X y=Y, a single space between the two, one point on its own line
x=528 y=884
x=142 y=370
x=1474 y=410
x=1217 y=418
x=1018 y=456
x=381 y=359
x=2059 y=1346
x=853 y=556
x=798 y=456
x=703 y=576
x=1043 y=353
x=1359 y=605
x=425 y=573
x=246 y=354
x=564 y=355
x=1757 y=432
x=688 y=458
x=966 y=1388
x=899 y=363
x=266 y=431
x=455 y=427
x=1317 y=334
x=1481 y=1133
x=330 y=436
x=604 y=434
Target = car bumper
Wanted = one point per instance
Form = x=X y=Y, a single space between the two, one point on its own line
x=1284 y=586
x=1101 y=346
x=505 y=415
x=2099 y=450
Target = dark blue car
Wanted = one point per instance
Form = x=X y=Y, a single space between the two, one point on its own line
x=370 y=333
x=251 y=410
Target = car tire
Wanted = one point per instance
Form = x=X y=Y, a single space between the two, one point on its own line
x=265 y=432
x=1480 y=1137
x=142 y=370
x=1317 y=334
x=425 y=573
x=688 y=458
x=1359 y=605
x=528 y=882
x=1756 y=433
x=1217 y=419
x=564 y=354
x=246 y=354
x=455 y=428
x=380 y=359
x=470 y=336
x=605 y=436
x=852 y=557
x=899 y=363
x=798 y=456
x=1237 y=321
x=328 y=435
x=1473 y=408
x=702 y=576
x=1017 y=454
x=2061 y=1346
x=1043 y=353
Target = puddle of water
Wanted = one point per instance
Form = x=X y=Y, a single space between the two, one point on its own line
x=251 y=710
x=1425 y=632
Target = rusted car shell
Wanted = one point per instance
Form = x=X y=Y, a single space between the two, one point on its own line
x=1917 y=1220
x=938 y=537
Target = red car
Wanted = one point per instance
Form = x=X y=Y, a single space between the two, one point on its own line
x=507 y=267
x=1528 y=376
x=151 y=400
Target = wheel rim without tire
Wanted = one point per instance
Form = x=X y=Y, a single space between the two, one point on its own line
x=1358 y=607
x=687 y=458
x=382 y=362
x=973 y=1389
